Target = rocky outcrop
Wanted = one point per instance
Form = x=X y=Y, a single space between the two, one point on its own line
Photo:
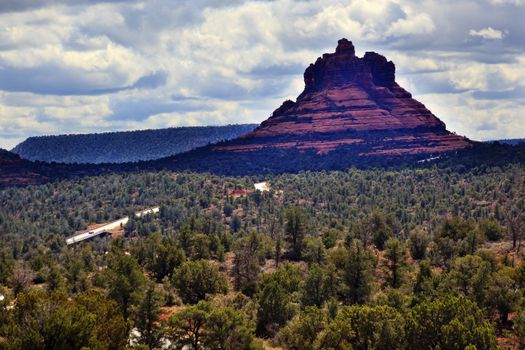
x=349 y=101
x=15 y=171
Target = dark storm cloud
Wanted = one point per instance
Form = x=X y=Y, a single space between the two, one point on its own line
x=26 y=5
x=185 y=98
x=276 y=70
x=435 y=84
x=225 y=89
x=141 y=109
x=52 y=79
x=516 y=93
x=487 y=125
x=151 y=81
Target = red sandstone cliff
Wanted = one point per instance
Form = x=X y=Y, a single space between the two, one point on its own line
x=347 y=101
x=15 y=171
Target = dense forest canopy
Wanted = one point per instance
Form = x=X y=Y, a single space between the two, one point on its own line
x=413 y=258
x=125 y=146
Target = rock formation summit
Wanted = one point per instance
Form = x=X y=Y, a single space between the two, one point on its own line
x=351 y=103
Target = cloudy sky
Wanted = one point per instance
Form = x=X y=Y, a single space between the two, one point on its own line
x=82 y=66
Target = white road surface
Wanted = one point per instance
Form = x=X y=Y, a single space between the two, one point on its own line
x=111 y=226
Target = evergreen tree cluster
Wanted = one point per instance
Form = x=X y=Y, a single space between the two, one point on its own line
x=426 y=258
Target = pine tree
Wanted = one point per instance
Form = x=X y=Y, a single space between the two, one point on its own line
x=357 y=274
x=124 y=280
x=295 y=230
x=396 y=256
x=146 y=317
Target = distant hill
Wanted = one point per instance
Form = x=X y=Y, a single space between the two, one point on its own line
x=6 y=156
x=513 y=142
x=15 y=171
x=125 y=146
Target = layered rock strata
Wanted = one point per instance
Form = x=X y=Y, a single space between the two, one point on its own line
x=349 y=101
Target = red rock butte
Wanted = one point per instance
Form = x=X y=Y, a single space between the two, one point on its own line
x=351 y=101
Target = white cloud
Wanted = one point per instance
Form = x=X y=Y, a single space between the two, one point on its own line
x=488 y=33
x=418 y=24
x=479 y=120
x=483 y=77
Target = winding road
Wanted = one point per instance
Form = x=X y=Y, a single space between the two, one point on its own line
x=111 y=226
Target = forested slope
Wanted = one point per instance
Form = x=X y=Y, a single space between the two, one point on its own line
x=125 y=146
x=372 y=259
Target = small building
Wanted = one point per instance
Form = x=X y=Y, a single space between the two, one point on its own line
x=262 y=186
